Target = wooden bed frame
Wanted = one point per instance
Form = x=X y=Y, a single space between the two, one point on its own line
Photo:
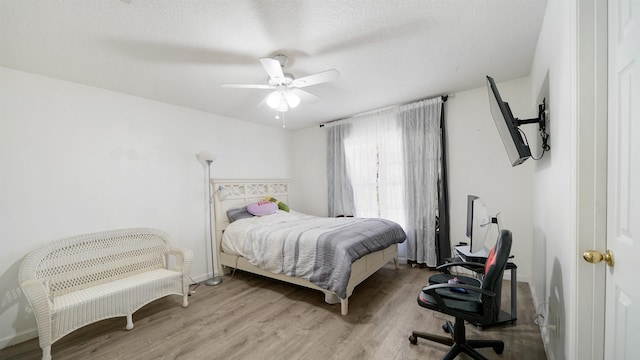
x=229 y=194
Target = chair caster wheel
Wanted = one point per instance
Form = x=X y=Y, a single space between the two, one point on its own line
x=499 y=349
x=413 y=340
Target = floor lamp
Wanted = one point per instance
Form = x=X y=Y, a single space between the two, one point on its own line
x=215 y=280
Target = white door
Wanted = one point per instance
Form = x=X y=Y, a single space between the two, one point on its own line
x=622 y=316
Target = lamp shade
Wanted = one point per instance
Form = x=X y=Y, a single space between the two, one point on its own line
x=205 y=155
x=283 y=100
x=283 y=106
x=292 y=99
x=274 y=99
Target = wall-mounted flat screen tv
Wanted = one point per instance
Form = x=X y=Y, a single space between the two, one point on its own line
x=517 y=150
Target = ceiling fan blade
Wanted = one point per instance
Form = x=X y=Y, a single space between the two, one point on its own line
x=304 y=95
x=314 y=79
x=272 y=67
x=246 y=86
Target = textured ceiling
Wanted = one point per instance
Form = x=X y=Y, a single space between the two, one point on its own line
x=179 y=51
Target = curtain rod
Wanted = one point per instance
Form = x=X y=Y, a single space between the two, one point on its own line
x=443 y=98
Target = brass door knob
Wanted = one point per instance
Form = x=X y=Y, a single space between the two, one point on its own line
x=595 y=257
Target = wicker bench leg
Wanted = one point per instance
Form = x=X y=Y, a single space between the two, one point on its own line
x=129 y=322
x=46 y=353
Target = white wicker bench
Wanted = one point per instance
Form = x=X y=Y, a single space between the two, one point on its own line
x=76 y=281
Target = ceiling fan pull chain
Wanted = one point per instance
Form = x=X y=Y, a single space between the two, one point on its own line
x=280 y=115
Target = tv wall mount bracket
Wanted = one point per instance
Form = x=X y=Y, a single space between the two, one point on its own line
x=541 y=120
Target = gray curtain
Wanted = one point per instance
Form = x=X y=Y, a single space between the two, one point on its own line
x=341 y=198
x=420 y=126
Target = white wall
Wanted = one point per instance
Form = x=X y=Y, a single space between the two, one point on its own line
x=309 y=188
x=76 y=159
x=553 y=71
x=478 y=165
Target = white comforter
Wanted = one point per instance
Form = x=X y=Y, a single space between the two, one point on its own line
x=256 y=238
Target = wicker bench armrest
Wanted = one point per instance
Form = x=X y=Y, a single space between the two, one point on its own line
x=183 y=265
x=184 y=257
x=37 y=293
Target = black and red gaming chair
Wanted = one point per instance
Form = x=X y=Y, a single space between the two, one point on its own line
x=476 y=304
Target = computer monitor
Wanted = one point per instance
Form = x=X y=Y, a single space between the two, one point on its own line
x=479 y=222
x=470 y=200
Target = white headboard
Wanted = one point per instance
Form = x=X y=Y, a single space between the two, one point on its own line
x=231 y=194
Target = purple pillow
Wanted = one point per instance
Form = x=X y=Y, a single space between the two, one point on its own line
x=262 y=208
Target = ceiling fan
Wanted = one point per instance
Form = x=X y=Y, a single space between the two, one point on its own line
x=286 y=92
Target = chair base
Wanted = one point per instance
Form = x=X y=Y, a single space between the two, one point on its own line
x=458 y=341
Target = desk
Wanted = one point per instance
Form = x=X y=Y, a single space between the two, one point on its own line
x=503 y=317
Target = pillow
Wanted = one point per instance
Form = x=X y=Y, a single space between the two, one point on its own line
x=282 y=206
x=262 y=208
x=237 y=214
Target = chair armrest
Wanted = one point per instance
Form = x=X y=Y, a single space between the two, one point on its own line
x=431 y=290
x=473 y=266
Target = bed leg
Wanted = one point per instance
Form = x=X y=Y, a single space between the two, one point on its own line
x=225 y=270
x=331 y=298
x=396 y=263
x=344 y=306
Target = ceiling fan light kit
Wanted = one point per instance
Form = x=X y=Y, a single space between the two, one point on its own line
x=282 y=100
x=287 y=94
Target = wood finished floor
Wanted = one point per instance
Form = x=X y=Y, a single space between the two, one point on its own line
x=250 y=317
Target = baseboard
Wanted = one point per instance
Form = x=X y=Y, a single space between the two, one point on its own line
x=18 y=338
x=200 y=278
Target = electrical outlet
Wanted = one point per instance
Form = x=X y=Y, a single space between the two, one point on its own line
x=553 y=326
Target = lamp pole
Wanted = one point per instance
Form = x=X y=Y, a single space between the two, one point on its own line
x=215 y=280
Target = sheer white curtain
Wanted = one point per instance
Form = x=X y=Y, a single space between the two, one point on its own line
x=391 y=160
x=374 y=163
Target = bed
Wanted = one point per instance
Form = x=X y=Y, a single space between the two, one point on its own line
x=235 y=194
